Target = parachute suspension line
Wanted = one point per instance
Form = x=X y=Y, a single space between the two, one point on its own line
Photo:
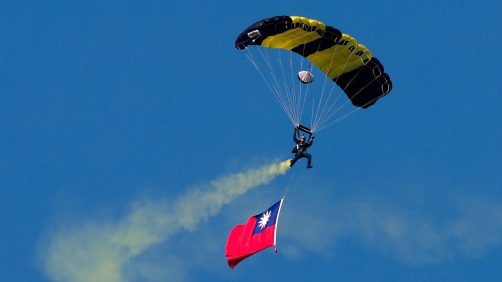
x=317 y=119
x=282 y=95
x=274 y=91
x=286 y=91
x=332 y=114
x=271 y=88
x=307 y=87
x=299 y=95
x=354 y=77
x=326 y=109
x=312 y=119
x=266 y=59
x=294 y=93
x=327 y=114
x=290 y=80
x=354 y=110
x=293 y=98
x=321 y=112
x=346 y=102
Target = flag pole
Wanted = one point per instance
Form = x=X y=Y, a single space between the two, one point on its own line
x=279 y=213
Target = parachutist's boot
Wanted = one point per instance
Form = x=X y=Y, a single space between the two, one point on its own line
x=309 y=166
x=291 y=163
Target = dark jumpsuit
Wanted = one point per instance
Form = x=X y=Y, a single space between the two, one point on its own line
x=300 y=150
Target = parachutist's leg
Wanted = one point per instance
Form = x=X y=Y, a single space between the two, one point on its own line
x=309 y=159
x=297 y=157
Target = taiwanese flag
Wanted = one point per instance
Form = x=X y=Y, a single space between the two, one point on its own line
x=255 y=235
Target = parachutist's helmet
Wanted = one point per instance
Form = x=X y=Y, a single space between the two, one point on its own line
x=302 y=138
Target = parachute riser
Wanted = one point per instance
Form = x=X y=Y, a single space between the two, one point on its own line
x=305 y=129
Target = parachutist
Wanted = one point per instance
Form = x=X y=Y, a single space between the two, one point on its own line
x=300 y=150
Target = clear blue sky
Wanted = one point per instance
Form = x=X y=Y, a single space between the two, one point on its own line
x=110 y=106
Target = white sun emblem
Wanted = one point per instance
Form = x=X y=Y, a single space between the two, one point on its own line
x=264 y=219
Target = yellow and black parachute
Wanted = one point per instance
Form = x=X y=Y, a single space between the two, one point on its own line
x=337 y=55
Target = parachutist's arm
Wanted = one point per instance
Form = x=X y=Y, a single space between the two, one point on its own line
x=311 y=141
x=295 y=136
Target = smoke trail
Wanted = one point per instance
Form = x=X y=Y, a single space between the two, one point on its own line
x=99 y=251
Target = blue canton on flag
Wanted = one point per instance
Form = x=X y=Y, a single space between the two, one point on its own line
x=267 y=218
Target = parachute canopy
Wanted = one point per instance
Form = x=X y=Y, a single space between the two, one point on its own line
x=337 y=55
